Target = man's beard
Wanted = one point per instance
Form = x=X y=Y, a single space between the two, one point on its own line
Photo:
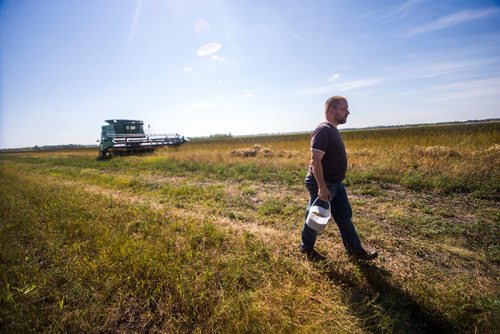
x=342 y=120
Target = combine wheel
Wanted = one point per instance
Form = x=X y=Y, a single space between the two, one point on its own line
x=105 y=155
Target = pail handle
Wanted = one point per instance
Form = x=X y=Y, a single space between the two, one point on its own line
x=322 y=201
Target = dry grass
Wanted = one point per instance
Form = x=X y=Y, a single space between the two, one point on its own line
x=202 y=240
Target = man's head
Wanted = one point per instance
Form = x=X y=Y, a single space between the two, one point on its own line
x=336 y=110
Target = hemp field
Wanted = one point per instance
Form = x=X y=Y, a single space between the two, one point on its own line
x=203 y=239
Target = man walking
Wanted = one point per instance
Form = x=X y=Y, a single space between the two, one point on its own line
x=324 y=181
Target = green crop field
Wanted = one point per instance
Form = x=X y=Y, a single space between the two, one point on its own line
x=204 y=238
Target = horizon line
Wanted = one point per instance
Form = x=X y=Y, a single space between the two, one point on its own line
x=216 y=136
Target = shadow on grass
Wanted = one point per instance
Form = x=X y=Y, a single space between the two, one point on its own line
x=383 y=307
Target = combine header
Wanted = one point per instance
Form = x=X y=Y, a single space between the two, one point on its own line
x=123 y=137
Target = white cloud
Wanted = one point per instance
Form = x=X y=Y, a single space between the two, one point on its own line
x=248 y=95
x=202 y=105
x=188 y=68
x=214 y=57
x=339 y=87
x=468 y=89
x=201 y=26
x=334 y=77
x=299 y=38
x=437 y=69
x=401 y=10
x=208 y=49
x=352 y=85
x=391 y=12
x=454 y=19
x=135 y=20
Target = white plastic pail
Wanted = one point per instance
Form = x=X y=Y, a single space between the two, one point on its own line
x=318 y=217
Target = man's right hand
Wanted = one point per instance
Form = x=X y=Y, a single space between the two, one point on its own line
x=324 y=194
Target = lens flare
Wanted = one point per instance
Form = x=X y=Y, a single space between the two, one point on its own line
x=208 y=49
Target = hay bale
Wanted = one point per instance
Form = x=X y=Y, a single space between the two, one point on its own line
x=252 y=152
x=256 y=148
x=494 y=149
x=267 y=152
x=436 y=151
x=490 y=156
x=287 y=154
x=244 y=153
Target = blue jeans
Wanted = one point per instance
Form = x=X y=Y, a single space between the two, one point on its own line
x=341 y=213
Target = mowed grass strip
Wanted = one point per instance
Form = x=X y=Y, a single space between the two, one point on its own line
x=423 y=287
x=78 y=262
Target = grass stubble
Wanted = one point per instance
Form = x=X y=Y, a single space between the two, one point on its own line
x=201 y=239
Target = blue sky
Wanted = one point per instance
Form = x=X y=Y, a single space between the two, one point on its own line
x=242 y=67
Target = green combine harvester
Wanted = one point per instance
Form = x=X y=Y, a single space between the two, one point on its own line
x=124 y=137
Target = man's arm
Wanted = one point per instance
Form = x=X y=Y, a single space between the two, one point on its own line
x=317 y=170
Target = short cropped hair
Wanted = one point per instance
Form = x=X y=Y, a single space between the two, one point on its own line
x=333 y=102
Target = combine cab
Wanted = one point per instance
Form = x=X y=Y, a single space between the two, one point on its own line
x=123 y=137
